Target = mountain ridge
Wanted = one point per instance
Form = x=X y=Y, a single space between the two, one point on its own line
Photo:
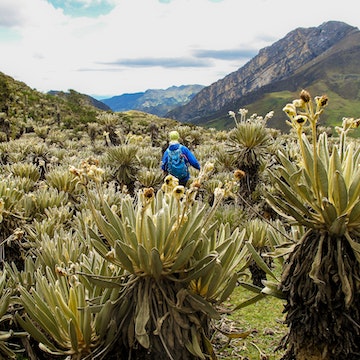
x=85 y=99
x=154 y=101
x=279 y=67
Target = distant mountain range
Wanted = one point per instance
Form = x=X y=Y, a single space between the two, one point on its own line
x=158 y=102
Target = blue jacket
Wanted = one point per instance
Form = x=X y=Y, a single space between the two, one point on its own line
x=189 y=157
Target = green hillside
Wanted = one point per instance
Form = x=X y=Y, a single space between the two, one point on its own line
x=338 y=107
x=25 y=108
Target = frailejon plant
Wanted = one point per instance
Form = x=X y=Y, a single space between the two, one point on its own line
x=59 y=316
x=7 y=348
x=125 y=164
x=257 y=230
x=178 y=265
x=150 y=177
x=11 y=220
x=109 y=122
x=63 y=180
x=25 y=170
x=321 y=276
x=62 y=311
x=249 y=143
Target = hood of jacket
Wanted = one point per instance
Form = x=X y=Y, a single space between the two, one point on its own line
x=174 y=146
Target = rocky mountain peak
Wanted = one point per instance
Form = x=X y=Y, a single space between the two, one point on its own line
x=272 y=64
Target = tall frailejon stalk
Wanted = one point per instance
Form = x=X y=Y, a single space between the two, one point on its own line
x=320 y=278
x=300 y=111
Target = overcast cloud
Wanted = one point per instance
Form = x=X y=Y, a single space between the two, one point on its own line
x=110 y=47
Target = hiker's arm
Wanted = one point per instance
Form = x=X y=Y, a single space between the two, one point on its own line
x=191 y=158
x=164 y=160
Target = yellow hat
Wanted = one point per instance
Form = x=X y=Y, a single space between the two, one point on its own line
x=174 y=135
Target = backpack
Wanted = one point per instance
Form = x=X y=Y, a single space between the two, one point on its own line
x=176 y=164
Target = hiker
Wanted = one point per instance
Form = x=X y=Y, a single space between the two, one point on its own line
x=177 y=158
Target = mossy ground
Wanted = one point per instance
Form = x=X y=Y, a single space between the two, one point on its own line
x=263 y=319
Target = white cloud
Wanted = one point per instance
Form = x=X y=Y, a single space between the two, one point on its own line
x=143 y=44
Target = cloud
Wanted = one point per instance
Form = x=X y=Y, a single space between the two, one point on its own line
x=165 y=62
x=24 y=14
x=11 y=14
x=228 y=54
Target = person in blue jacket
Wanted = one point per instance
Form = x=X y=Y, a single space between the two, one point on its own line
x=188 y=156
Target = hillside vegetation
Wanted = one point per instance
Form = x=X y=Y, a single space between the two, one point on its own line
x=103 y=256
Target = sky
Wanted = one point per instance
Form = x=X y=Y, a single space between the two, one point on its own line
x=105 y=48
